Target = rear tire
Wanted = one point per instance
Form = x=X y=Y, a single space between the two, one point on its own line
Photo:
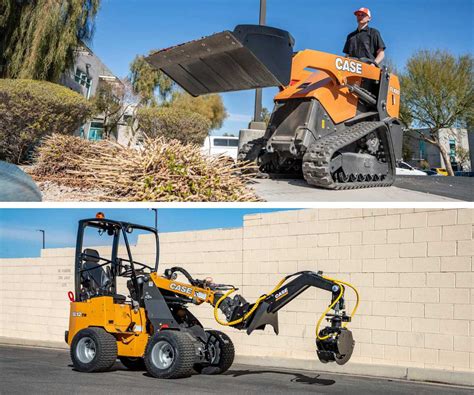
x=133 y=363
x=222 y=353
x=169 y=355
x=93 y=350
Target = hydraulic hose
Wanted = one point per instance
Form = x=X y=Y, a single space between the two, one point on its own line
x=341 y=284
x=249 y=313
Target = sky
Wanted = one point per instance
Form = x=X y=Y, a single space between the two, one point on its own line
x=126 y=28
x=19 y=236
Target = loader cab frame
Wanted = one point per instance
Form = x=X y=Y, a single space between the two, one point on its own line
x=96 y=275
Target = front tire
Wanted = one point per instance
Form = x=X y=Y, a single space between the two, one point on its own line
x=221 y=351
x=93 y=350
x=169 y=355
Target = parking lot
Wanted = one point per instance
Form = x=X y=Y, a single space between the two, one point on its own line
x=26 y=370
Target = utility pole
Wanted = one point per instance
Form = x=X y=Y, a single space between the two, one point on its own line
x=156 y=217
x=257 y=116
x=44 y=238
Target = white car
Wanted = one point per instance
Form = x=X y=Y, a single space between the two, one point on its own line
x=221 y=145
x=404 y=169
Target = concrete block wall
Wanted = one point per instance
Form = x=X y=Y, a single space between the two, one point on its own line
x=413 y=268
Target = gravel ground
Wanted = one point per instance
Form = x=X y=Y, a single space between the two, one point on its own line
x=53 y=192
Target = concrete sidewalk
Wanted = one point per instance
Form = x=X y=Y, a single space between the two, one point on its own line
x=297 y=190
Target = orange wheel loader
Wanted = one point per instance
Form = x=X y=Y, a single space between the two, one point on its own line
x=335 y=120
x=122 y=308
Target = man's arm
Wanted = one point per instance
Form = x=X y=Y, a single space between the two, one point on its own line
x=379 y=45
x=380 y=56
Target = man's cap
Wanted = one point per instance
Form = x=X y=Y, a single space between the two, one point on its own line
x=364 y=10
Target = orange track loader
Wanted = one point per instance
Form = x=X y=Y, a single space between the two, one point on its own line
x=335 y=120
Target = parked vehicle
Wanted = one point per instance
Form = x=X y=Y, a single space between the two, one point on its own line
x=440 y=170
x=464 y=173
x=431 y=173
x=404 y=169
x=221 y=145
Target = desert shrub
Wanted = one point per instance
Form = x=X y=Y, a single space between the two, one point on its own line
x=173 y=123
x=30 y=110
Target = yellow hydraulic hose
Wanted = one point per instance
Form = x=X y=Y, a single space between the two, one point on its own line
x=341 y=286
x=340 y=283
x=249 y=313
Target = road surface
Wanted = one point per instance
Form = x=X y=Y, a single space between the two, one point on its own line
x=25 y=370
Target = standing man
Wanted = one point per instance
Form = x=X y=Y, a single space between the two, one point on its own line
x=365 y=42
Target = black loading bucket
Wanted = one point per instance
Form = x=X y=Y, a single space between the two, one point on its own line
x=252 y=56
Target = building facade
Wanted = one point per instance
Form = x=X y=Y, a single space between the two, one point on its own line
x=85 y=77
x=421 y=153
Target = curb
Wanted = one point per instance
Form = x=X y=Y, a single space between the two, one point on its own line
x=437 y=376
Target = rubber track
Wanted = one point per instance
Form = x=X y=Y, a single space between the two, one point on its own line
x=248 y=147
x=316 y=161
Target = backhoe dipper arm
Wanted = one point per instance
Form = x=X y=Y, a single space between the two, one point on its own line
x=334 y=342
x=242 y=315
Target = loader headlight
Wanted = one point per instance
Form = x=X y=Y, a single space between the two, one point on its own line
x=336 y=348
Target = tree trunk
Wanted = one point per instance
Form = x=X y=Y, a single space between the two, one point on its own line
x=446 y=159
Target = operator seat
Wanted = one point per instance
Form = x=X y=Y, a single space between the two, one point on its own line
x=99 y=281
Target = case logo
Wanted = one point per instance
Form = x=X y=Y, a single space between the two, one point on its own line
x=181 y=288
x=281 y=294
x=348 y=65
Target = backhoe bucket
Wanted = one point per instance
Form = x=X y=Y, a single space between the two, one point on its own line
x=337 y=348
x=252 y=56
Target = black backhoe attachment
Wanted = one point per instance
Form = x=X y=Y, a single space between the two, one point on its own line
x=334 y=342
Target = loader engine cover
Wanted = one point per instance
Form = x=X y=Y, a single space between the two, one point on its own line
x=251 y=56
x=335 y=349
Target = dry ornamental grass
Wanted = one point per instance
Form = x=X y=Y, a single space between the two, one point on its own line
x=159 y=171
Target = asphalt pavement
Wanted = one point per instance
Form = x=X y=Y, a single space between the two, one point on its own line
x=461 y=188
x=25 y=370
x=405 y=189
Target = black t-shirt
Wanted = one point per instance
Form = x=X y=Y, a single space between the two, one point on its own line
x=364 y=43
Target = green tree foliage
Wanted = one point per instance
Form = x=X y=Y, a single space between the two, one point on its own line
x=173 y=123
x=30 y=110
x=437 y=92
x=209 y=106
x=112 y=101
x=38 y=37
x=146 y=81
x=266 y=115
